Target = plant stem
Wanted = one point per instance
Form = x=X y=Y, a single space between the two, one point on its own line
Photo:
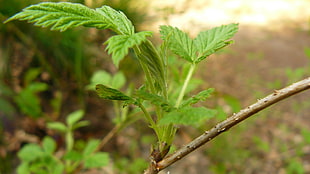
x=108 y=137
x=186 y=82
x=149 y=118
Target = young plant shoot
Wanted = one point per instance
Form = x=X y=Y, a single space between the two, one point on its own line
x=162 y=112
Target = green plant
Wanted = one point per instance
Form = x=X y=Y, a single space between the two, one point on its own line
x=162 y=110
x=45 y=160
x=27 y=99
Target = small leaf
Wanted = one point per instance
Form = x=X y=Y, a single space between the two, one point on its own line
x=80 y=124
x=110 y=93
x=75 y=116
x=99 y=159
x=31 y=75
x=27 y=100
x=99 y=77
x=30 y=152
x=118 y=80
x=179 y=42
x=57 y=126
x=23 y=168
x=118 y=45
x=37 y=87
x=154 y=99
x=207 y=42
x=203 y=95
x=73 y=156
x=187 y=116
x=59 y=169
x=90 y=147
x=49 y=145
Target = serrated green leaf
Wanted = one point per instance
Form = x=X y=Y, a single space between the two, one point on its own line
x=110 y=93
x=99 y=159
x=187 y=116
x=57 y=126
x=49 y=145
x=30 y=152
x=178 y=42
x=203 y=95
x=207 y=42
x=64 y=15
x=118 y=45
x=155 y=99
x=74 y=117
x=73 y=156
x=117 y=20
x=90 y=147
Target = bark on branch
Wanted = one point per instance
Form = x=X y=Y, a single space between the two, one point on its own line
x=223 y=126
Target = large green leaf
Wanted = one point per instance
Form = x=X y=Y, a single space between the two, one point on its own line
x=187 y=116
x=118 y=45
x=207 y=42
x=64 y=15
x=110 y=93
x=179 y=42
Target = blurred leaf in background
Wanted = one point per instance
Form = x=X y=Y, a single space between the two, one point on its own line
x=44 y=73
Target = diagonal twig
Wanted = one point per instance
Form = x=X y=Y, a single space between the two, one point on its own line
x=223 y=126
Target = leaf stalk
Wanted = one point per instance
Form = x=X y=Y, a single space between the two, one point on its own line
x=184 y=87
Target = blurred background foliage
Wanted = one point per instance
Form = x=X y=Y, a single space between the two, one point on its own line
x=44 y=75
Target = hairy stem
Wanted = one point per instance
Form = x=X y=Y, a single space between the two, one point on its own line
x=149 y=119
x=223 y=126
x=186 y=82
